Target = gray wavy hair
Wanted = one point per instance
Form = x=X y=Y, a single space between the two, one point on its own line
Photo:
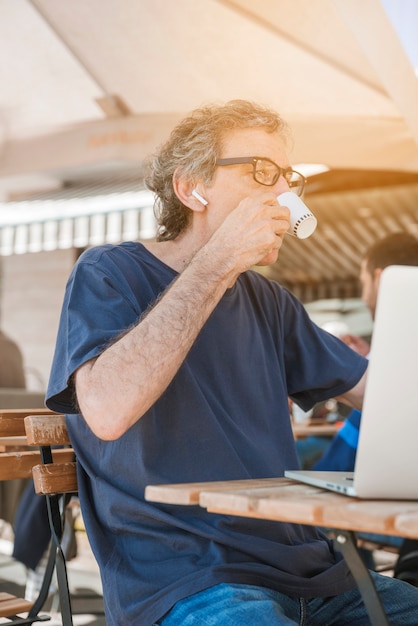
x=192 y=149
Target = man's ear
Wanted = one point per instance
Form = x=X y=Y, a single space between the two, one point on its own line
x=188 y=194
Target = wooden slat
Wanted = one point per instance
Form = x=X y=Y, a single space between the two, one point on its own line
x=17 y=440
x=42 y=430
x=304 y=504
x=364 y=515
x=19 y=464
x=13 y=443
x=189 y=493
x=11 y=605
x=298 y=503
x=55 y=478
x=12 y=420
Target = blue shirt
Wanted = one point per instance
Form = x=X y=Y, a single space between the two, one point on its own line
x=341 y=453
x=224 y=416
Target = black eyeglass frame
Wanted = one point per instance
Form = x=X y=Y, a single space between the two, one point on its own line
x=280 y=171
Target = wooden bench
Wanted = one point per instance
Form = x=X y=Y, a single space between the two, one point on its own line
x=16 y=462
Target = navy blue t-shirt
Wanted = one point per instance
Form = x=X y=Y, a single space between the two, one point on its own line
x=224 y=416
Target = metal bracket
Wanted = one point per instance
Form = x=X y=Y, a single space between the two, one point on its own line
x=347 y=543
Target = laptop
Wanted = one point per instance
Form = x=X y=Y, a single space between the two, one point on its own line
x=387 y=456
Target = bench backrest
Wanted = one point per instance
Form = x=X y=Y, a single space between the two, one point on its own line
x=16 y=462
x=56 y=475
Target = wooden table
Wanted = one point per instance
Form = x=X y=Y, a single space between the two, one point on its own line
x=283 y=500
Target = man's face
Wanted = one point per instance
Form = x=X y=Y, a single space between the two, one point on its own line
x=233 y=183
x=370 y=286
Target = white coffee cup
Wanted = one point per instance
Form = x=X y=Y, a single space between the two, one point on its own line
x=302 y=220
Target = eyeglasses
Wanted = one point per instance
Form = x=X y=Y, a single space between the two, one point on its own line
x=267 y=172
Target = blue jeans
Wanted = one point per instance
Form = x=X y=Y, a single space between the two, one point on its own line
x=238 y=605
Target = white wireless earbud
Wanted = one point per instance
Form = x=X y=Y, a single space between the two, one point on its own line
x=199 y=197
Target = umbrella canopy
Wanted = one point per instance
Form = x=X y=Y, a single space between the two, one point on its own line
x=90 y=87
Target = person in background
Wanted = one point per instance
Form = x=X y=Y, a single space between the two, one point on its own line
x=32 y=537
x=400 y=248
x=24 y=512
x=174 y=362
x=12 y=376
x=12 y=371
x=20 y=506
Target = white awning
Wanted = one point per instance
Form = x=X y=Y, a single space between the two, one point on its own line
x=75 y=222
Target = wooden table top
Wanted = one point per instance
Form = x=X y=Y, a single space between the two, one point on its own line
x=281 y=499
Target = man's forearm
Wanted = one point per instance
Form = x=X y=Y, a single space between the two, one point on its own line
x=115 y=389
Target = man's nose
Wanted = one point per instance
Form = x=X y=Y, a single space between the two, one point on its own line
x=281 y=186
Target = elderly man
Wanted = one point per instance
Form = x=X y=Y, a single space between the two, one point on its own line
x=174 y=362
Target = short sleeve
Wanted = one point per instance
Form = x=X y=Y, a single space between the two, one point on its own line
x=98 y=306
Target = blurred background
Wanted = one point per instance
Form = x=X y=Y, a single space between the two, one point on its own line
x=90 y=87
